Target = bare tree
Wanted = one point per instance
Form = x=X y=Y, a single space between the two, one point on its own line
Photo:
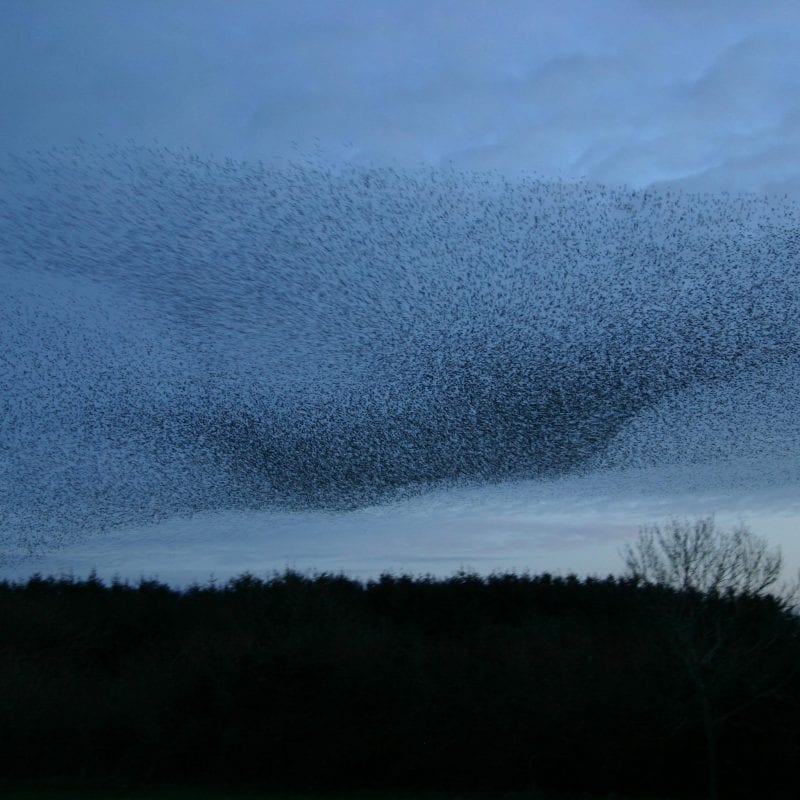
x=710 y=568
x=698 y=555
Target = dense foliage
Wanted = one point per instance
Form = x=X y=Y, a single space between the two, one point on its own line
x=500 y=683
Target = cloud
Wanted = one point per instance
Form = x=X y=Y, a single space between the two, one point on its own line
x=622 y=91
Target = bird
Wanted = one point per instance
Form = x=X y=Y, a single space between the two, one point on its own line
x=181 y=334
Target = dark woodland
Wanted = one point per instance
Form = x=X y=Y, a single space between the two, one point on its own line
x=507 y=683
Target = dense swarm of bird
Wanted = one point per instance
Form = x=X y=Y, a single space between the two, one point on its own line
x=181 y=334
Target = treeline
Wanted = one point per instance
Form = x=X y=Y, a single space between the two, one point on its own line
x=504 y=683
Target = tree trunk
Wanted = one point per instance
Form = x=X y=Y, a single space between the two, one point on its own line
x=711 y=749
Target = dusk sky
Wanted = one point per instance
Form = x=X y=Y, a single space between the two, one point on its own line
x=703 y=96
x=706 y=95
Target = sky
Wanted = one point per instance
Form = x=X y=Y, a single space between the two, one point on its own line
x=703 y=96
x=572 y=525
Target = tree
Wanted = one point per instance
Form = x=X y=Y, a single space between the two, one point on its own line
x=698 y=556
x=714 y=615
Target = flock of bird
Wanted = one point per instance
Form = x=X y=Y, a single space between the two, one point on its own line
x=181 y=334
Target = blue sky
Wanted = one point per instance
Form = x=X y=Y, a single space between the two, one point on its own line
x=702 y=94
